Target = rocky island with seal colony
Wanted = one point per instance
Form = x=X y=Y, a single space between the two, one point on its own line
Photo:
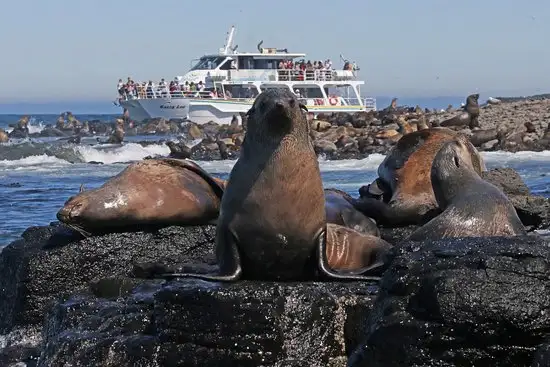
x=437 y=262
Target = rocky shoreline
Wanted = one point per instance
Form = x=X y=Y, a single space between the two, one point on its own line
x=510 y=125
x=76 y=301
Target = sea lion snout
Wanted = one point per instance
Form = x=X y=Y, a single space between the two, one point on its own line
x=71 y=210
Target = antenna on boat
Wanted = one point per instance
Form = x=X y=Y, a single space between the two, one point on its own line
x=228 y=41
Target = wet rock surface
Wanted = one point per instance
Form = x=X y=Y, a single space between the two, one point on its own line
x=463 y=302
x=81 y=302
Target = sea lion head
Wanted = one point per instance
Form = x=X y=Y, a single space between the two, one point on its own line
x=472 y=100
x=90 y=209
x=277 y=112
x=451 y=167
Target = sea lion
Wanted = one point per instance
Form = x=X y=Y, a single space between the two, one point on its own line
x=404 y=126
x=469 y=117
x=339 y=210
x=3 y=136
x=153 y=192
x=348 y=249
x=178 y=150
x=404 y=177
x=472 y=207
x=117 y=137
x=272 y=222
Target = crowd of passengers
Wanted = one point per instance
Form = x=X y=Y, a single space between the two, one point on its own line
x=174 y=88
x=301 y=70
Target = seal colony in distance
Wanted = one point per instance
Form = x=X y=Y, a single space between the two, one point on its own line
x=472 y=207
x=404 y=181
x=149 y=193
x=272 y=222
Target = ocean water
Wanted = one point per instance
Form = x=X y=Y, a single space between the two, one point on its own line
x=38 y=176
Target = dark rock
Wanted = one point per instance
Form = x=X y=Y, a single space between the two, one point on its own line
x=41 y=267
x=199 y=323
x=460 y=302
x=534 y=211
x=508 y=180
x=542 y=356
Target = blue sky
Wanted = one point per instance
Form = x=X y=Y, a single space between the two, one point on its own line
x=76 y=50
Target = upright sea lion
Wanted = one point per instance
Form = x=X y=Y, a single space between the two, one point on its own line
x=404 y=176
x=272 y=222
x=153 y=192
x=117 y=136
x=339 y=210
x=3 y=136
x=469 y=117
x=472 y=207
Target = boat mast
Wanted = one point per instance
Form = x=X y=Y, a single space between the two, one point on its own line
x=228 y=41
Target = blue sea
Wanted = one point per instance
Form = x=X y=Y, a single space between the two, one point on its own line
x=38 y=175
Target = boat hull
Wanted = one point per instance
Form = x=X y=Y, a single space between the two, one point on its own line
x=168 y=108
x=202 y=111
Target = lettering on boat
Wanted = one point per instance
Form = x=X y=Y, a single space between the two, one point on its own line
x=171 y=106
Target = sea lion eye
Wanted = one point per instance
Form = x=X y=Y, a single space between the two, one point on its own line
x=303 y=107
x=457 y=162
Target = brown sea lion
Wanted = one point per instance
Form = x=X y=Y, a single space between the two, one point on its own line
x=348 y=249
x=153 y=192
x=467 y=118
x=339 y=210
x=117 y=137
x=404 y=126
x=422 y=123
x=472 y=207
x=3 y=136
x=404 y=177
x=272 y=222
x=479 y=137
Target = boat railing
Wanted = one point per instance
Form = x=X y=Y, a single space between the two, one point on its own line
x=313 y=75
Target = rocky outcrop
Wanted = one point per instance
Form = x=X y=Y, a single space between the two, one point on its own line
x=465 y=302
x=78 y=301
x=519 y=125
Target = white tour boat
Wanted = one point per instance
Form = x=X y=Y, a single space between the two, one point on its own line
x=229 y=81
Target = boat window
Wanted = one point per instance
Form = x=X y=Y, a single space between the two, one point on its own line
x=306 y=92
x=264 y=87
x=246 y=62
x=241 y=91
x=266 y=64
x=226 y=65
x=208 y=63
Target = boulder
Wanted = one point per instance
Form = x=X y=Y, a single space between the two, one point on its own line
x=461 y=302
x=198 y=323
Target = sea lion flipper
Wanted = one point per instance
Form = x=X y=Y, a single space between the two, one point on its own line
x=385 y=214
x=229 y=257
x=322 y=261
x=194 y=167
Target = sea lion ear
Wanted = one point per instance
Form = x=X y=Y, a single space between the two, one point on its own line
x=303 y=107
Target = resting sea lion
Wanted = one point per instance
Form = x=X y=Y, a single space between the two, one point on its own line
x=348 y=249
x=404 y=126
x=339 y=210
x=467 y=118
x=178 y=150
x=272 y=222
x=3 y=136
x=153 y=192
x=404 y=176
x=472 y=206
